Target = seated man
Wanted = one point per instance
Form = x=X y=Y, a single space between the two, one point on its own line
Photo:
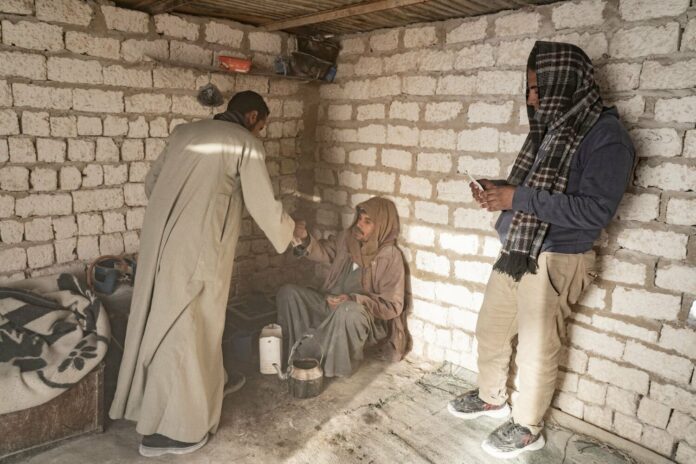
x=362 y=299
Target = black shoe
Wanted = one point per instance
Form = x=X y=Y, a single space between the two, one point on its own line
x=235 y=381
x=510 y=440
x=157 y=445
x=470 y=406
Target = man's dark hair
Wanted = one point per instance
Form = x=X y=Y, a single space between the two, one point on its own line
x=243 y=102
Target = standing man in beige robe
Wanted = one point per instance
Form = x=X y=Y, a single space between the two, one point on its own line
x=171 y=378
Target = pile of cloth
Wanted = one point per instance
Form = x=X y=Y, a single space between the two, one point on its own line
x=53 y=332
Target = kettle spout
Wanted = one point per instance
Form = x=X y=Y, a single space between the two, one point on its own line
x=281 y=374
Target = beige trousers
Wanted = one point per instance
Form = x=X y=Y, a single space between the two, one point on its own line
x=534 y=309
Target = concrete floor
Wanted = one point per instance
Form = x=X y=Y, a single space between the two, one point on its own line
x=385 y=413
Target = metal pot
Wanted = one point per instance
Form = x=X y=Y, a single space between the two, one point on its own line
x=305 y=376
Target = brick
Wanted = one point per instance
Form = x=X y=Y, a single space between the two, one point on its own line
x=13 y=259
x=158 y=127
x=402 y=135
x=445 y=111
x=93 y=176
x=20 y=7
x=624 y=329
x=90 y=224
x=574 y=15
x=666 y=365
x=14 y=178
x=336 y=155
x=265 y=42
x=135 y=51
x=138 y=128
x=368 y=66
x=385 y=41
x=137 y=171
x=114 y=222
x=459 y=243
x=81 y=150
x=115 y=126
x=7 y=206
x=97 y=200
x=407 y=111
x=420 y=235
x=154 y=147
x=64 y=11
x=631 y=109
x=514 y=52
x=654 y=242
x=458 y=295
x=437 y=162
x=35 y=123
x=42 y=97
x=479 y=140
x=618 y=77
x=43 y=205
x=477 y=166
x=373 y=133
x=148 y=103
x=438 y=138
x=454 y=190
x=681 y=340
x=596 y=342
x=621 y=400
x=135 y=195
x=64 y=227
x=674 y=109
x=4 y=151
x=21 y=150
x=468 y=30
x=674 y=397
x=598 y=416
x=625 y=377
x=511 y=143
x=657 y=440
x=678 y=75
x=433 y=263
x=106 y=150
x=667 y=176
x=419 y=85
x=475 y=56
x=420 y=37
x=653 y=413
x=5 y=94
x=44 y=180
x=65 y=250
x=456 y=85
x=643 y=207
x=569 y=404
x=38 y=230
x=126 y=20
x=132 y=150
x=88 y=44
x=397 y=159
x=176 y=26
x=432 y=212
x=8 y=122
x=644 y=41
x=643 y=303
x=223 y=34
x=689 y=37
x=636 y=10
x=64 y=126
x=11 y=232
x=186 y=104
x=472 y=271
x=482 y=112
x=435 y=60
x=685 y=454
x=188 y=53
x=51 y=150
x=681 y=211
x=364 y=157
x=416 y=186
x=517 y=24
x=174 y=78
x=690 y=144
x=127 y=77
x=615 y=270
x=70 y=178
x=115 y=175
x=339 y=112
x=381 y=181
x=479 y=219
x=87 y=247
x=682 y=427
x=627 y=427
x=98 y=101
x=32 y=35
x=350 y=179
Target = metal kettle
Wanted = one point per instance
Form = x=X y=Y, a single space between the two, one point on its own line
x=304 y=375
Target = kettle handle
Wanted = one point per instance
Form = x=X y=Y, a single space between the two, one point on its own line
x=297 y=343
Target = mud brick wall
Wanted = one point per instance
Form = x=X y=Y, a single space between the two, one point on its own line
x=88 y=94
x=413 y=106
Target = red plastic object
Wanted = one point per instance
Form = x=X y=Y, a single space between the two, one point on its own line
x=233 y=64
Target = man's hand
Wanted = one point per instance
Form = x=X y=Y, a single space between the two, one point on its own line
x=477 y=193
x=497 y=197
x=300 y=233
x=335 y=300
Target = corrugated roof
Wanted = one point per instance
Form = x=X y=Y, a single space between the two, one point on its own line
x=393 y=13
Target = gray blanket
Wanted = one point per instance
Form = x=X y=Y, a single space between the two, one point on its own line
x=50 y=337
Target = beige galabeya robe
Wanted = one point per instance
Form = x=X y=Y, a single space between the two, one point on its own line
x=171 y=377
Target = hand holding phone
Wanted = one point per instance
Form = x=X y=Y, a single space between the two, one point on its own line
x=473 y=181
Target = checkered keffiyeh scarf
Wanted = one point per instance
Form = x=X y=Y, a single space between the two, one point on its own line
x=569 y=105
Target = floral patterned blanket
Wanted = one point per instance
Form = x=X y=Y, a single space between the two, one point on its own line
x=50 y=337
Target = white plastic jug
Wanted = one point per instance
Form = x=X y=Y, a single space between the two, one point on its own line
x=270 y=348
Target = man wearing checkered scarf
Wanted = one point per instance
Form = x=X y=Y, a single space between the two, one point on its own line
x=563 y=189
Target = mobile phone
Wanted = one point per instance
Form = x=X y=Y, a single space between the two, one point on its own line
x=471 y=179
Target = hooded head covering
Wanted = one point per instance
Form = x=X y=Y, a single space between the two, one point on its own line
x=569 y=105
x=386 y=231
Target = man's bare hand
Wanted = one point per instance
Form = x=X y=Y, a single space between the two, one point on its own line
x=476 y=192
x=300 y=232
x=497 y=197
x=335 y=300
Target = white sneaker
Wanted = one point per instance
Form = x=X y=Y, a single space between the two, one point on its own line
x=159 y=445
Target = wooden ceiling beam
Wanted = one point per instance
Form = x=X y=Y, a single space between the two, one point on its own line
x=159 y=6
x=338 y=13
